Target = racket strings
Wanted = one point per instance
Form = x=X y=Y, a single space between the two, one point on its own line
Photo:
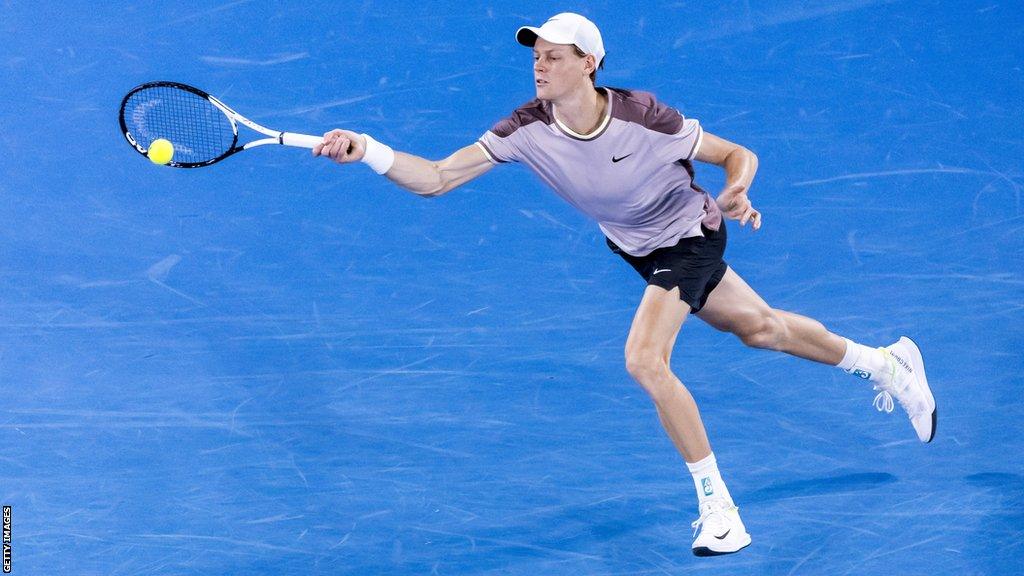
x=199 y=131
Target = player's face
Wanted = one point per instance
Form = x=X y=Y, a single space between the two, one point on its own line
x=557 y=70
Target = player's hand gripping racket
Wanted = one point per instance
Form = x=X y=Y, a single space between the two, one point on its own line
x=202 y=129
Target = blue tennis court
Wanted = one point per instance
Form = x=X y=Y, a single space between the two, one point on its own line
x=278 y=365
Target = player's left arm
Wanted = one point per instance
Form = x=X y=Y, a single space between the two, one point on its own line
x=740 y=165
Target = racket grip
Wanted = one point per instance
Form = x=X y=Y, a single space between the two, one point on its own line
x=300 y=140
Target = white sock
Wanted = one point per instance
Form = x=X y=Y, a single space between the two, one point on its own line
x=863 y=362
x=708 y=480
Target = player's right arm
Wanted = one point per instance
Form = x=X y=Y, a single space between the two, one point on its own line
x=416 y=174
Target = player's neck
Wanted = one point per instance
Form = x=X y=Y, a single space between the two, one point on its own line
x=582 y=110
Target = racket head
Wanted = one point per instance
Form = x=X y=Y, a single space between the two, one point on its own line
x=197 y=124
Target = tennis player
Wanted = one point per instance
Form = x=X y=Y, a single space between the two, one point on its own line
x=626 y=160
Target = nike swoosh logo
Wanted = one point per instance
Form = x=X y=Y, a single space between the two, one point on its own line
x=661 y=270
x=614 y=159
x=722 y=537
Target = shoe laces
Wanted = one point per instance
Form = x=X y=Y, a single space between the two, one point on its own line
x=883 y=400
x=712 y=515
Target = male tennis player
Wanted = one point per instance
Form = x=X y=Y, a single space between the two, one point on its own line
x=626 y=160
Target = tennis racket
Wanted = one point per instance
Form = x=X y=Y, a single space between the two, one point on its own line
x=202 y=129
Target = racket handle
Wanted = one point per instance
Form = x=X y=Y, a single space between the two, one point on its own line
x=300 y=140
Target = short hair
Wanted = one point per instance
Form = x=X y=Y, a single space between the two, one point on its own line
x=600 y=65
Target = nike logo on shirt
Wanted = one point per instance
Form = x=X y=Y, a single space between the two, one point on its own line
x=614 y=159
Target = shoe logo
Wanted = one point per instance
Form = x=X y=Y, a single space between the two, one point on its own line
x=614 y=159
x=722 y=537
x=862 y=374
x=661 y=270
x=901 y=362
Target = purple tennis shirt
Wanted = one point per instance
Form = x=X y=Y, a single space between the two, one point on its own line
x=633 y=174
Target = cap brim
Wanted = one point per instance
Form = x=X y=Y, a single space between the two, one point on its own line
x=527 y=36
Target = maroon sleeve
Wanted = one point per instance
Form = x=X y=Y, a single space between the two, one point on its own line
x=664 y=119
x=501 y=142
x=644 y=109
x=672 y=136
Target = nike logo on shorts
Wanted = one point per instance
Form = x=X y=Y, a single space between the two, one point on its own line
x=661 y=270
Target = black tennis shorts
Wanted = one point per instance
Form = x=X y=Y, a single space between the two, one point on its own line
x=695 y=265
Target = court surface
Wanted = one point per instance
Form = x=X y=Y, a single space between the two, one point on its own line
x=282 y=366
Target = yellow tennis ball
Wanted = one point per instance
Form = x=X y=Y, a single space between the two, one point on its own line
x=161 y=151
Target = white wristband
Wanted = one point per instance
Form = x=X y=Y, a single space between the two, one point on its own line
x=378 y=156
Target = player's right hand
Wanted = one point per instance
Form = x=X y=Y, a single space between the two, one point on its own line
x=342 y=146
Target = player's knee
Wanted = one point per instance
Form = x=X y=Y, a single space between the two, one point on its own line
x=765 y=330
x=644 y=364
x=650 y=370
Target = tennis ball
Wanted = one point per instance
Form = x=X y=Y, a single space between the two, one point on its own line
x=161 y=151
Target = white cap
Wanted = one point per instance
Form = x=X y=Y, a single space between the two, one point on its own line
x=566 y=28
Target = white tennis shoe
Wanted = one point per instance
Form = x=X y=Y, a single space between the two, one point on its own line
x=721 y=530
x=907 y=382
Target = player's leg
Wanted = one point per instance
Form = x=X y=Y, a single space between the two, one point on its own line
x=648 y=353
x=648 y=359
x=734 y=307
x=898 y=370
x=679 y=279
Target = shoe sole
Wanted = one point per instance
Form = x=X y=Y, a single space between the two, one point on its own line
x=704 y=551
x=917 y=362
